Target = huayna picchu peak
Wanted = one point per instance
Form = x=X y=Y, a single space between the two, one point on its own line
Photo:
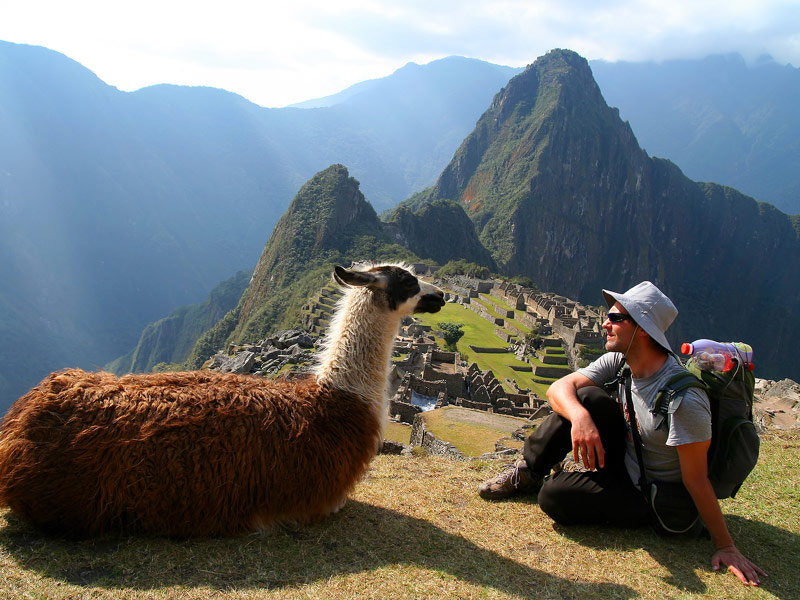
x=560 y=191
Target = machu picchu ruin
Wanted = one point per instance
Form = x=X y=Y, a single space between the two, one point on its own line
x=543 y=336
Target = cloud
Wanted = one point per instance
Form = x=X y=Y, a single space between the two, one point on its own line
x=278 y=53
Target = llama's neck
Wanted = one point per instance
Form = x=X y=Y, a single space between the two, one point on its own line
x=358 y=346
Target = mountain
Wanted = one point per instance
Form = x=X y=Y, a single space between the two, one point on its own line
x=419 y=115
x=718 y=118
x=421 y=230
x=328 y=222
x=117 y=207
x=170 y=340
x=560 y=191
x=456 y=77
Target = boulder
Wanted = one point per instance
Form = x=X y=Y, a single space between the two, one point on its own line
x=241 y=363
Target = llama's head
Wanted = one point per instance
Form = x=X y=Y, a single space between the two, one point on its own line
x=394 y=287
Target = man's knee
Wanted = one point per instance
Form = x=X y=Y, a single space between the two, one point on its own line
x=595 y=397
x=556 y=500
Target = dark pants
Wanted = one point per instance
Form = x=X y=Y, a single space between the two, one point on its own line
x=604 y=496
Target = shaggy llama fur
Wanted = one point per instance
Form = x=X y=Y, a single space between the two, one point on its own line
x=205 y=453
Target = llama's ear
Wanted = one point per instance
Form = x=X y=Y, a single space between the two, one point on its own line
x=354 y=278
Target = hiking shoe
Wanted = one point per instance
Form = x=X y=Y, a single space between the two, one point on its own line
x=516 y=479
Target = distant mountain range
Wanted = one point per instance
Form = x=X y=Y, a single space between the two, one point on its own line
x=117 y=207
x=718 y=118
x=552 y=185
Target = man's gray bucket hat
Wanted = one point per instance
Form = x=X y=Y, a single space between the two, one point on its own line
x=649 y=307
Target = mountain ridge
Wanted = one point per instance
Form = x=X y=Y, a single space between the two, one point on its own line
x=560 y=191
x=115 y=207
x=719 y=118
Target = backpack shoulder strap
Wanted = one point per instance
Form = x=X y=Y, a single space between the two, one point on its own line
x=613 y=387
x=670 y=396
x=625 y=376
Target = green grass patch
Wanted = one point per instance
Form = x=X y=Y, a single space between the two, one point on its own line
x=480 y=333
x=559 y=350
x=471 y=438
x=398 y=433
x=477 y=330
x=498 y=301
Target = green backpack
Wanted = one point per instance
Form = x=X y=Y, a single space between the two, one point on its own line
x=734 y=440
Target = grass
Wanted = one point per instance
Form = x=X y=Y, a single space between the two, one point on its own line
x=470 y=438
x=498 y=308
x=415 y=528
x=479 y=332
x=398 y=432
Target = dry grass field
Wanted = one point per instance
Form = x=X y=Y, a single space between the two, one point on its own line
x=415 y=528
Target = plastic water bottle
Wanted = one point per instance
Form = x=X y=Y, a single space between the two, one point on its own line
x=709 y=355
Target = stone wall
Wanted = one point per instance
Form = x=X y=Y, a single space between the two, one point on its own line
x=404 y=410
x=506 y=337
x=484 y=406
x=420 y=436
x=482 y=286
x=483 y=350
x=549 y=372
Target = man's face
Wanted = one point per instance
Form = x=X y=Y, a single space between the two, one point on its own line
x=618 y=332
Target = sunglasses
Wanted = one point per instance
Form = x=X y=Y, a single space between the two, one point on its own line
x=617 y=317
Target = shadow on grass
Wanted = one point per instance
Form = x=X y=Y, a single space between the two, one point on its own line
x=768 y=546
x=359 y=539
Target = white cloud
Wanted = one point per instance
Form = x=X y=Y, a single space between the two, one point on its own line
x=278 y=53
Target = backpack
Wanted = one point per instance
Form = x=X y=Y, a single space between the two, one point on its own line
x=734 y=440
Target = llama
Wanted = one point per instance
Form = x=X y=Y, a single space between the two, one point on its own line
x=205 y=453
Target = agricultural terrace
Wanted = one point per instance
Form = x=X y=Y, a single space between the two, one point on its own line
x=481 y=333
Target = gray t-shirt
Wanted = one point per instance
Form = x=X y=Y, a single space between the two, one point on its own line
x=690 y=423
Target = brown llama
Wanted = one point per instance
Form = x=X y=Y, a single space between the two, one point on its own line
x=205 y=453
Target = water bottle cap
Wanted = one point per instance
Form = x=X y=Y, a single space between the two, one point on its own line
x=686 y=348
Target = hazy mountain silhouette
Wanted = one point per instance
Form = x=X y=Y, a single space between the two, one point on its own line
x=718 y=118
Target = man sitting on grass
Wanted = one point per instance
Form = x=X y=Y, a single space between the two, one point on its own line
x=595 y=426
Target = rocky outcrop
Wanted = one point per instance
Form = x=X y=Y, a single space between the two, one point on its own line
x=422 y=231
x=292 y=347
x=777 y=404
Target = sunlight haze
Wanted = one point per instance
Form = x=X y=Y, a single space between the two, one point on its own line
x=276 y=54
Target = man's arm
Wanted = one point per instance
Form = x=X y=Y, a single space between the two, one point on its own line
x=563 y=398
x=694 y=472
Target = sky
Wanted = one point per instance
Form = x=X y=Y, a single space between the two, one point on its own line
x=278 y=53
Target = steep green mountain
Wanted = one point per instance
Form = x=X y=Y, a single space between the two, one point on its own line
x=170 y=340
x=328 y=222
x=719 y=119
x=424 y=229
x=560 y=191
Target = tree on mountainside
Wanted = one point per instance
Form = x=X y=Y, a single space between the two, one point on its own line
x=452 y=333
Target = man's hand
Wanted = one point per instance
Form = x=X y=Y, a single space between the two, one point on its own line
x=747 y=572
x=586 y=442
x=563 y=398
